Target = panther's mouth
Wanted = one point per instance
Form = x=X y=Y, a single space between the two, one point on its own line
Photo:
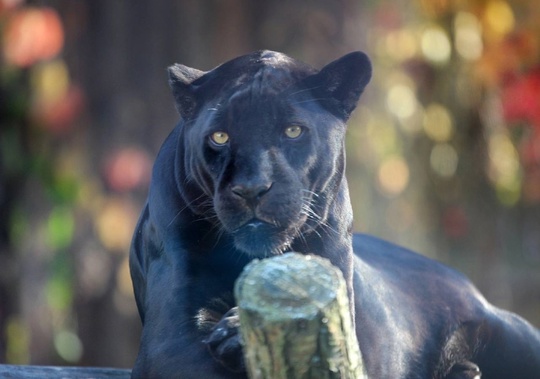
x=261 y=239
x=254 y=225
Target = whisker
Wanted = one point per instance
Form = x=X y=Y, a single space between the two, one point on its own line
x=303 y=90
x=300 y=235
x=308 y=209
x=220 y=233
x=314 y=230
x=183 y=209
x=310 y=100
x=312 y=193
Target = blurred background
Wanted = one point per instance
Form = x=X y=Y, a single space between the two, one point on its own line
x=443 y=151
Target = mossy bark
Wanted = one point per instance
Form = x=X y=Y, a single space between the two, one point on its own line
x=295 y=320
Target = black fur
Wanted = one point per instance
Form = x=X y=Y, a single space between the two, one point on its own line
x=215 y=204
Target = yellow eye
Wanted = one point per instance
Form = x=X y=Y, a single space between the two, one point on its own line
x=293 y=131
x=219 y=138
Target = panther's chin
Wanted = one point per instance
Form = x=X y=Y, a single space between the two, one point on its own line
x=259 y=239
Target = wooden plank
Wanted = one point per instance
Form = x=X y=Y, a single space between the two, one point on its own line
x=295 y=320
x=50 y=372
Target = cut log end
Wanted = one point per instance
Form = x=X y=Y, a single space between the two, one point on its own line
x=290 y=285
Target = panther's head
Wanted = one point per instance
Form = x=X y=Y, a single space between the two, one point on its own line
x=262 y=144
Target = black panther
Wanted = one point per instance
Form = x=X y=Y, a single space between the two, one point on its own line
x=255 y=168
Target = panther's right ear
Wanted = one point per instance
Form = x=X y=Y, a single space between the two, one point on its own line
x=181 y=80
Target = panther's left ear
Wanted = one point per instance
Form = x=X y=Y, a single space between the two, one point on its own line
x=181 y=80
x=343 y=81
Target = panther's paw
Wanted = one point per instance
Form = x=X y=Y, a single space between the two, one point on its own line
x=224 y=342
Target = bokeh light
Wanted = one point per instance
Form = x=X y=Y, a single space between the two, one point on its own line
x=401 y=44
x=401 y=101
x=32 y=34
x=504 y=168
x=50 y=81
x=56 y=101
x=68 y=345
x=128 y=169
x=498 y=18
x=437 y=123
x=393 y=175
x=436 y=44
x=60 y=228
x=443 y=160
x=381 y=137
x=468 y=36
x=18 y=339
x=115 y=223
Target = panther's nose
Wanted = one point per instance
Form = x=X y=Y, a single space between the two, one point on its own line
x=251 y=191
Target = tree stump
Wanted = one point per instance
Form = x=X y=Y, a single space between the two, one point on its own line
x=295 y=320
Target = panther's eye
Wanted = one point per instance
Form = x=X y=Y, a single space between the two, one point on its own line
x=219 y=138
x=293 y=131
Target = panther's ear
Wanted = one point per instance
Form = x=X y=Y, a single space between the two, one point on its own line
x=181 y=80
x=343 y=81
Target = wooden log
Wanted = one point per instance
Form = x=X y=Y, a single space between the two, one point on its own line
x=295 y=320
x=50 y=372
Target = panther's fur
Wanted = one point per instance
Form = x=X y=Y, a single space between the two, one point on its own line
x=255 y=168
